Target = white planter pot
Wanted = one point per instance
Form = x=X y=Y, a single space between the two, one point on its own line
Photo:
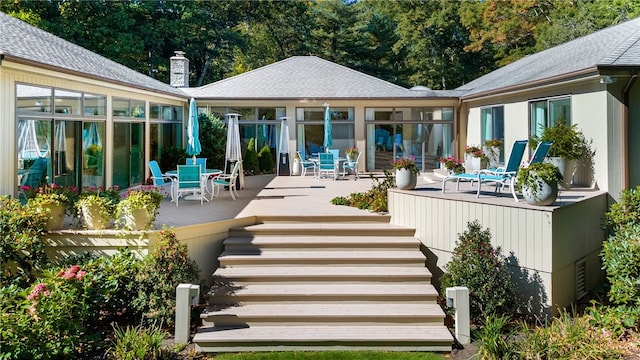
x=56 y=217
x=540 y=194
x=406 y=179
x=138 y=219
x=567 y=168
x=93 y=218
x=493 y=153
x=296 y=167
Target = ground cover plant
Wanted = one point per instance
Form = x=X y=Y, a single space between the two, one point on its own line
x=375 y=199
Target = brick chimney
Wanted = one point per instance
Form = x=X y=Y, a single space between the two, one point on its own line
x=179 y=67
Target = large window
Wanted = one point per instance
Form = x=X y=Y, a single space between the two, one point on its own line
x=423 y=134
x=493 y=126
x=310 y=129
x=545 y=113
x=60 y=135
x=166 y=131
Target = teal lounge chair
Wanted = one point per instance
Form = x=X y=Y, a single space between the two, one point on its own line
x=501 y=177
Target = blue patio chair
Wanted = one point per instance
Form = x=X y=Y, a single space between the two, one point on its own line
x=335 y=152
x=351 y=166
x=306 y=164
x=327 y=165
x=189 y=181
x=159 y=180
x=199 y=161
x=541 y=152
x=501 y=178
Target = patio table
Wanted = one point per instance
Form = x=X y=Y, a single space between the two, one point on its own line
x=206 y=174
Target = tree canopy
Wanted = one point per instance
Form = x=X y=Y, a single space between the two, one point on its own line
x=437 y=43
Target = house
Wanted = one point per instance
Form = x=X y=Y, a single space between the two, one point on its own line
x=97 y=123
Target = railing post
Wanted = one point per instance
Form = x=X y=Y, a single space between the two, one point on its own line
x=458 y=298
x=186 y=295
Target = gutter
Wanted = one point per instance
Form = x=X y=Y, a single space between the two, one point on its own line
x=569 y=78
x=625 y=129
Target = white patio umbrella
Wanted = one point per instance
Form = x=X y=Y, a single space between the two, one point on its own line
x=283 y=159
x=233 y=151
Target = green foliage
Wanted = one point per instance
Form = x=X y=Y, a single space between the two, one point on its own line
x=567 y=337
x=621 y=262
x=624 y=212
x=374 y=200
x=616 y=319
x=134 y=343
x=493 y=344
x=568 y=141
x=213 y=138
x=481 y=268
x=250 y=161
x=167 y=266
x=172 y=157
x=21 y=232
x=532 y=175
x=266 y=160
x=47 y=320
x=147 y=197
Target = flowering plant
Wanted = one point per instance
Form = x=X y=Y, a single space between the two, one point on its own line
x=352 y=152
x=51 y=194
x=493 y=143
x=452 y=164
x=474 y=151
x=407 y=164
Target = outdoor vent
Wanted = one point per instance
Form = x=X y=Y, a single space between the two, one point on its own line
x=581 y=278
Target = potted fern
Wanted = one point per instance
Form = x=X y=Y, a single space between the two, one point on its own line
x=538 y=183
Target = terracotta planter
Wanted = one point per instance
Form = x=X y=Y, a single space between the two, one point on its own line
x=542 y=193
x=56 y=217
x=406 y=179
x=94 y=219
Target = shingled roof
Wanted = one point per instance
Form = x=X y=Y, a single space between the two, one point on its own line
x=307 y=77
x=614 y=47
x=21 y=42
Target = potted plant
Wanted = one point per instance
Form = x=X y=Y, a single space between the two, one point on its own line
x=352 y=153
x=569 y=145
x=296 y=164
x=475 y=158
x=492 y=151
x=406 y=173
x=97 y=207
x=538 y=183
x=138 y=208
x=53 y=199
x=453 y=165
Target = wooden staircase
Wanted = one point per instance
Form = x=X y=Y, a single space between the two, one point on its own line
x=322 y=283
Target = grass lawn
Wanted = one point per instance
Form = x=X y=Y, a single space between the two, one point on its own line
x=328 y=355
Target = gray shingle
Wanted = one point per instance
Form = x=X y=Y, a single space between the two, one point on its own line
x=306 y=77
x=614 y=46
x=23 y=41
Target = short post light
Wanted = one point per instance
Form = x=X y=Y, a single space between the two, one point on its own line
x=186 y=295
x=458 y=298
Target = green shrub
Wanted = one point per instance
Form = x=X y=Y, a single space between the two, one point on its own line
x=374 y=200
x=266 y=160
x=22 y=254
x=621 y=262
x=616 y=319
x=624 y=212
x=250 y=159
x=163 y=270
x=134 y=343
x=213 y=138
x=46 y=320
x=481 y=268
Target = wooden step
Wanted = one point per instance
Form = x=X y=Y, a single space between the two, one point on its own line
x=320 y=274
x=323 y=257
x=322 y=229
x=366 y=218
x=321 y=241
x=332 y=293
x=324 y=337
x=323 y=313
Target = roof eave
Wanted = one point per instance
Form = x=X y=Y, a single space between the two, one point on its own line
x=23 y=61
x=531 y=85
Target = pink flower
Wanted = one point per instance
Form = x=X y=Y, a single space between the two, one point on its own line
x=80 y=275
x=41 y=288
x=74 y=269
